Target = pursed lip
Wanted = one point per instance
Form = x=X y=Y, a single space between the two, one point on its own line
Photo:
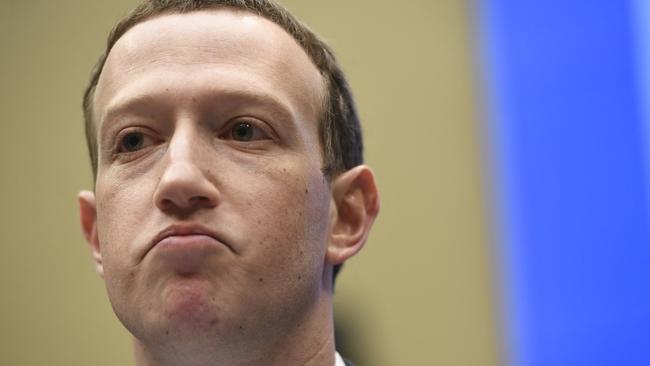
x=185 y=230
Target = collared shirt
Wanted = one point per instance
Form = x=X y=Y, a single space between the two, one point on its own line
x=339 y=360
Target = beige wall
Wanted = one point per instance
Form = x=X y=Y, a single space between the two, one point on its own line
x=420 y=293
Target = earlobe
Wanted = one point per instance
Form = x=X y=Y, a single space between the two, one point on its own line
x=356 y=202
x=88 y=216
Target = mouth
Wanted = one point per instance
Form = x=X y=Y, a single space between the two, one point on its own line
x=186 y=237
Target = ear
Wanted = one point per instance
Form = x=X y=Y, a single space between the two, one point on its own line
x=88 y=216
x=356 y=204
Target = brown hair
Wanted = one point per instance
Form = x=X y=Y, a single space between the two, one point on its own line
x=339 y=127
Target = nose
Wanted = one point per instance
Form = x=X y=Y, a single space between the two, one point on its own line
x=184 y=186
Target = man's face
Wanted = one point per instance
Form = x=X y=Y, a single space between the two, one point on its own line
x=212 y=210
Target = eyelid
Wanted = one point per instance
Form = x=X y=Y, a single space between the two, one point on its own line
x=148 y=136
x=265 y=128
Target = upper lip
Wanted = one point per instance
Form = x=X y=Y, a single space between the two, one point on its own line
x=184 y=230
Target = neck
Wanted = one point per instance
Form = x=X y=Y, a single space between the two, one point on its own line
x=306 y=340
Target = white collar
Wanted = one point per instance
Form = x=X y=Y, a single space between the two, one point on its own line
x=338 y=360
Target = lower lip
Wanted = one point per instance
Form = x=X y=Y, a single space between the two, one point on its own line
x=187 y=253
x=187 y=242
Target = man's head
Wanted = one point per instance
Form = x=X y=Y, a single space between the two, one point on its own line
x=218 y=213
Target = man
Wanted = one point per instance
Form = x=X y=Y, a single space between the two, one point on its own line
x=229 y=188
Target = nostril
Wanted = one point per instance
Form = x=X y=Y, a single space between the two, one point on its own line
x=200 y=200
x=166 y=203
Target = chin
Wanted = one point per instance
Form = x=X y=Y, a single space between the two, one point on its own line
x=189 y=301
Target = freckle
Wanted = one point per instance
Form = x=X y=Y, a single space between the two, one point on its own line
x=261 y=280
x=167 y=332
x=306 y=190
x=241 y=327
x=300 y=277
x=302 y=253
x=259 y=222
x=213 y=322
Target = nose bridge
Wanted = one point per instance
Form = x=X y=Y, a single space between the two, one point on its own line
x=182 y=146
x=184 y=182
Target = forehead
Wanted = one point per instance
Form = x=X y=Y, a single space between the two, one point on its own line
x=207 y=45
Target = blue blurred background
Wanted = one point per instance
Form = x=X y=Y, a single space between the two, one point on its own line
x=566 y=90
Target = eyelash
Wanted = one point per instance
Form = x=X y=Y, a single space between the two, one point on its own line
x=120 y=139
x=262 y=132
x=259 y=134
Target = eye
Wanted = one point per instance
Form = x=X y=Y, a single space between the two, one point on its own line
x=242 y=131
x=133 y=141
x=246 y=131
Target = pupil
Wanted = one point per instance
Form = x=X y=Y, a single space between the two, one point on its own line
x=132 y=141
x=243 y=131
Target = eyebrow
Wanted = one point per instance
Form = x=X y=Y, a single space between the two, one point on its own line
x=147 y=104
x=127 y=105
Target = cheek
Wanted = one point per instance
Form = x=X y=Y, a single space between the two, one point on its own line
x=290 y=213
x=120 y=209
